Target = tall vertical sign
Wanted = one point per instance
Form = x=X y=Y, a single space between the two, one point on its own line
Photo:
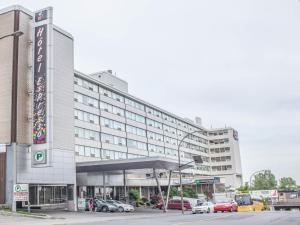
x=40 y=80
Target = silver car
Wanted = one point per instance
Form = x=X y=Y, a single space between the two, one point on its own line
x=203 y=207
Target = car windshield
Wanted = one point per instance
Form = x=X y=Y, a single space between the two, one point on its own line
x=243 y=199
x=199 y=203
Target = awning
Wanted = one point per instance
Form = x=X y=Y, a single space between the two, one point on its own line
x=128 y=164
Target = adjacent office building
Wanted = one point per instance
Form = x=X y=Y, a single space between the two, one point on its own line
x=57 y=117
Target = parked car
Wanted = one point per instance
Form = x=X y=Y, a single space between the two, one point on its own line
x=102 y=206
x=122 y=207
x=225 y=206
x=175 y=204
x=203 y=207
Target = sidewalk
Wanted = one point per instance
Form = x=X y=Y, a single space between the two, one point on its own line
x=66 y=217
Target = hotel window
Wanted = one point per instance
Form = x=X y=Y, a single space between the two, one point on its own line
x=135 y=130
x=153 y=112
x=153 y=123
x=79 y=149
x=111 y=139
x=86 y=100
x=112 y=124
x=135 y=117
x=169 y=118
x=134 y=104
x=187 y=155
x=87 y=134
x=107 y=154
x=172 y=152
x=87 y=117
x=112 y=109
x=86 y=84
x=155 y=136
x=111 y=94
x=136 y=144
x=156 y=148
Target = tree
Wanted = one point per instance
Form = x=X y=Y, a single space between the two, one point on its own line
x=286 y=183
x=264 y=181
x=174 y=192
x=244 y=188
x=189 y=192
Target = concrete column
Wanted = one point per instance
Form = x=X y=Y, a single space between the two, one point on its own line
x=159 y=189
x=104 y=187
x=169 y=187
x=140 y=189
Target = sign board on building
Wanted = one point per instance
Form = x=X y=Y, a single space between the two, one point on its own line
x=21 y=192
x=40 y=85
x=41 y=15
x=38 y=157
x=211 y=180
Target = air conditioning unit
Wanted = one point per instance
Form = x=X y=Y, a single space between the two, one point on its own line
x=120 y=144
x=106 y=141
x=118 y=99
x=105 y=94
x=75 y=99
x=76 y=135
x=106 y=110
x=92 y=138
x=76 y=117
x=119 y=128
x=106 y=125
x=119 y=114
x=91 y=121
x=91 y=104
x=90 y=88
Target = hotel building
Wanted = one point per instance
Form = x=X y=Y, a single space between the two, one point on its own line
x=68 y=117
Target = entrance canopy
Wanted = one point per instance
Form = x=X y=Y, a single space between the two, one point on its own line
x=128 y=164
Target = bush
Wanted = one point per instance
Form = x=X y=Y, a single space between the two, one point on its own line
x=134 y=195
x=189 y=192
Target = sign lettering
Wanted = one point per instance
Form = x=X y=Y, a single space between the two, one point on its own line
x=40 y=85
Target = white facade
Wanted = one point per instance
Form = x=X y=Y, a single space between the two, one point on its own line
x=112 y=124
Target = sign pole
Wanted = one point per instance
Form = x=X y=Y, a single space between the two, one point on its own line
x=28 y=207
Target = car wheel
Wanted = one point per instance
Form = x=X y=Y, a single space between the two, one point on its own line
x=104 y=209
x=208 y=210
x=121 y=209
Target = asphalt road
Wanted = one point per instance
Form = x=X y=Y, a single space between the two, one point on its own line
x=258 y=218
x=157 y=217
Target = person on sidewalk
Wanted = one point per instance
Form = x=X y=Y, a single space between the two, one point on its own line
x=91 y=205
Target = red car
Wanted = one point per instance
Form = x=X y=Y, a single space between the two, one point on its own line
x=228 y=206
x=175 y=204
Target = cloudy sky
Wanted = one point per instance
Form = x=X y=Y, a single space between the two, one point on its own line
x=231 y=62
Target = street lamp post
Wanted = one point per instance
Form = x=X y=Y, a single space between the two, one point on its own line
x=15 y=35
x=197 y=159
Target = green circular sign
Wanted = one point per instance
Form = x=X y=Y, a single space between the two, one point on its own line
x=18 y=188
x=39 y=156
